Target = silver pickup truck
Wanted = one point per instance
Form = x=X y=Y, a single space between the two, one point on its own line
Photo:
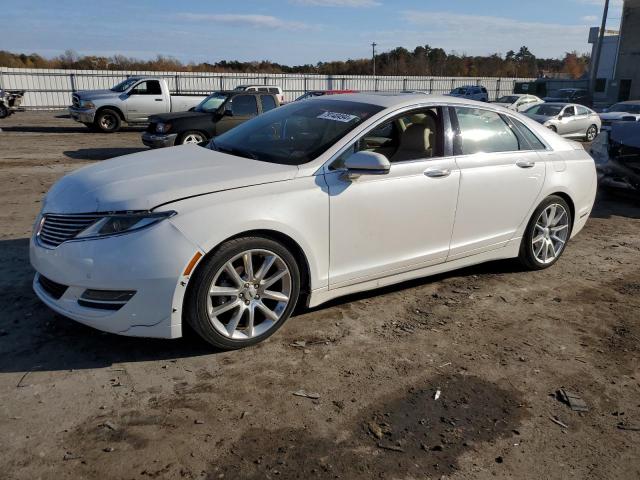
x=132 y=101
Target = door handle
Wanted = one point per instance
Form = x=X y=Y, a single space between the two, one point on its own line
x=525 y=163
x=437 y=173
x=158 y=99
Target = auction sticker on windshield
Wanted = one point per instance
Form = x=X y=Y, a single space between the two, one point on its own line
x=337 y=117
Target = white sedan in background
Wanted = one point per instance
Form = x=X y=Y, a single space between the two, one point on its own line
x=518 y=101
x=306 y=203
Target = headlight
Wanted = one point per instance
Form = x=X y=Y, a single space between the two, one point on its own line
x=163 y=127
x=119 y=223
x=86 y=104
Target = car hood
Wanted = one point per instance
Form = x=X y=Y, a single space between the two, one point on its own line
x=167 y=117
x=96 y=94
x=617 y=115
x=142 y=181
x=538 y=118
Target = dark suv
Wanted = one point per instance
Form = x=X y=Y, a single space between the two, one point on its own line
x=219 y=112
x=571 y=95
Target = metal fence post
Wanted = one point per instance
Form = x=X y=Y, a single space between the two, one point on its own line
x=498 y=88
x=72 y=78
x=177 y=80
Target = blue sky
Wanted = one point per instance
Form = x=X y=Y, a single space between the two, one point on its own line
x=296 y=31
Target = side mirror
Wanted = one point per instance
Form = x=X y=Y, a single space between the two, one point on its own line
x=366 y=163
x=560 y=117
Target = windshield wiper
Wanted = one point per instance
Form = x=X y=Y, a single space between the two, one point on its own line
x=233 y=151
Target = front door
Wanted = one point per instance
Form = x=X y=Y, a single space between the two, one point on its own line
x=382 y=225
x=145 y=99
x=569 y=123
x=237 y=110
x=500 y=179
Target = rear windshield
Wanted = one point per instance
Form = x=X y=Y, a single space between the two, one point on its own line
x=296 y=133
x=544 y=109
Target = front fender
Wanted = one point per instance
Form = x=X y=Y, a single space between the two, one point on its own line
x=297 y=208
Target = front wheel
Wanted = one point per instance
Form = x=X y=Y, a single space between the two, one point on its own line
x=547 y=234
x=592 y=131
x=243 y=292
x=107 y=121
x=553 y=128
x=191 y=137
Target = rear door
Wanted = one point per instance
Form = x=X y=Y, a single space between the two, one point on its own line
x=501 y=176
x=237 y=110
x=145 y=99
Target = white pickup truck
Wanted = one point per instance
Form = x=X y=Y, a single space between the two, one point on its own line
x=132 y=101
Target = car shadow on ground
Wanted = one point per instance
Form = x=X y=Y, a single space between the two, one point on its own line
x=609 y=204
x=101 y=153
x=34 y=338
x=76 y=128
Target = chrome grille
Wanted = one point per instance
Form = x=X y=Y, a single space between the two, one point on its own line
x=75 y=100
x=56 y=229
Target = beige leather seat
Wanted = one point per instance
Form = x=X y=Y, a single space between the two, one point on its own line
x=414 y=143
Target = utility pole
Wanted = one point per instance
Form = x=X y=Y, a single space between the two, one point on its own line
x=595 y=62
x=373 y=47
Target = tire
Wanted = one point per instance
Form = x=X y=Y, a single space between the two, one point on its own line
x=552 y=128
x=237 y=296
x=191 y=137
x=535 y=254
x=591 y=133
x=4 y=111
x=107 y=121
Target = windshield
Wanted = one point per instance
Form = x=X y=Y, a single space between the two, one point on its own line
x=565 y=93
x=309 y=95
x=296 y=133
x=507 y=99
x=625 y=107
x=544 y=110
x=459 y=91
x=122 y=86
x=212 y=103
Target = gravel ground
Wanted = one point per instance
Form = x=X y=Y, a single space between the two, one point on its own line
x=495 y=341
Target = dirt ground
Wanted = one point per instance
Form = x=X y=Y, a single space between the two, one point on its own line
x=495 y=341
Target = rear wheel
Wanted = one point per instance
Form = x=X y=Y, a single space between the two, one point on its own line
x=4 y=111
x=107 y=121
x=191 y=137
x=592 y=131
x=547 y=234
x=243 y=293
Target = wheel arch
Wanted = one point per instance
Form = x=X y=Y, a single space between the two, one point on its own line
x=572 y=207
x=111 y=107
x=285 y=240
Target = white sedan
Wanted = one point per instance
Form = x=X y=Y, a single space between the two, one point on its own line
x=305 y=203
x=518 y=101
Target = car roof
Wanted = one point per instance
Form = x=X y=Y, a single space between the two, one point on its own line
x=397 y=99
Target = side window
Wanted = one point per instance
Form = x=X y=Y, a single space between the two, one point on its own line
x=244 y=105
x=268 y=103
x=569 y=112
x=483 y=131
x=582 y=110
x=414 y=135
x=150 y=87
x=531 y=138
x=274 y=90
x=263 y=89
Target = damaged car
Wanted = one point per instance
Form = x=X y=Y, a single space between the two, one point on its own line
x=617 y=156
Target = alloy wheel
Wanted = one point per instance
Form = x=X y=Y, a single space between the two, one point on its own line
x=592 y=131
x=550 y=233
x=249 y=294
x=192 y=138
